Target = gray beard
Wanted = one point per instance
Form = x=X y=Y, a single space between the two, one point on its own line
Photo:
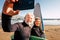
x=30 y=24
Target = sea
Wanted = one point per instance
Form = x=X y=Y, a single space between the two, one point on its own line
x=45 y=22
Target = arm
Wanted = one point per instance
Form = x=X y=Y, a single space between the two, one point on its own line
x=6 y=24
x=7 y=13
x=6 y=21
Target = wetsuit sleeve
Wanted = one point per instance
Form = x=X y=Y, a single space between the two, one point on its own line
x=6 y=23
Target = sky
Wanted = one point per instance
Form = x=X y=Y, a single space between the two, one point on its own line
x=1 y=5
x=49 y=8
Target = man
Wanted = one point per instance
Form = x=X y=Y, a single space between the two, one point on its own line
x=22 y=30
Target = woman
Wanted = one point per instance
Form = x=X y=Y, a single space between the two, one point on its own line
x=36 y=30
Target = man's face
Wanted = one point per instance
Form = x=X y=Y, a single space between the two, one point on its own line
x=29 y=18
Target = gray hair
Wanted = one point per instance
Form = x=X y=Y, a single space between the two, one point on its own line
x=29 y=14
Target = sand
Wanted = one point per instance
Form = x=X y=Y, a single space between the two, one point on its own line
x=52 y=33
x=5 y=35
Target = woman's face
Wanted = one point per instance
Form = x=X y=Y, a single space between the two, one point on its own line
x=38 y=22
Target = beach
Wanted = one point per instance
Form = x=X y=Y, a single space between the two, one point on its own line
x=51 y=32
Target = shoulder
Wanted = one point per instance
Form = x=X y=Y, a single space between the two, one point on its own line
x=19 y=24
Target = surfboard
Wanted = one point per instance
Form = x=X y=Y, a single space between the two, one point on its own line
x=37 y=13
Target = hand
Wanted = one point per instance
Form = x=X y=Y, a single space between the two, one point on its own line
x=8 y=8
x=12 y=0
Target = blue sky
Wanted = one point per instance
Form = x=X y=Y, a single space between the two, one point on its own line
x=49 y=8
x=1 y=4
